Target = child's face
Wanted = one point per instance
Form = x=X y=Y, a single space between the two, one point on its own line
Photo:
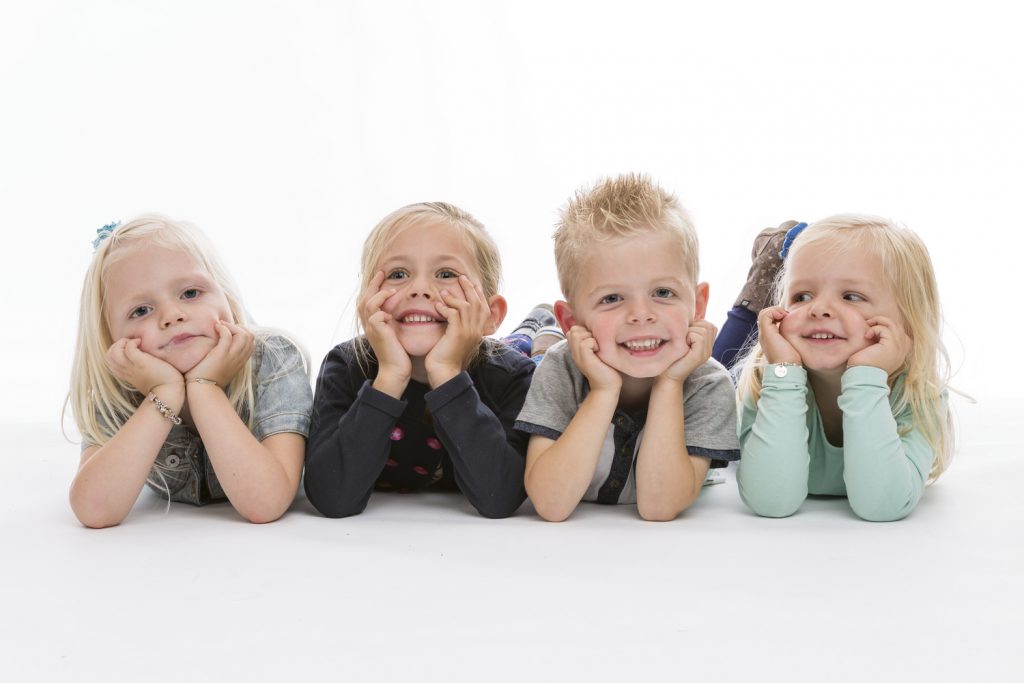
x=167 y=301
x=421 y=261
x=636 y=298
x=830 y=296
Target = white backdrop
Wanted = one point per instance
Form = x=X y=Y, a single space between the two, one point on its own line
x=285 y=130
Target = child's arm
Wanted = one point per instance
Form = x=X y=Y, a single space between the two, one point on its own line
x=775 y=464
x=260 y=478
x=486 y=451
x=668 y=478
x=349 y=439
x=885 y=473
x=558 y=472
x=110 y=477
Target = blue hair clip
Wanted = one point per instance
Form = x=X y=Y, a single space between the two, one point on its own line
x=103 y=233
x=790 y=236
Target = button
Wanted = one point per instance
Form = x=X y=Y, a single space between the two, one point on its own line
x=781 y=371
x=173 y=460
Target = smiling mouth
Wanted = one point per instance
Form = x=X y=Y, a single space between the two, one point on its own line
x=824 y=336
x=420 y=319
x=643 y=345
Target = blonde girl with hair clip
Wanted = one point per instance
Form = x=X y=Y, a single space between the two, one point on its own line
x=172 y=387
x=422 y=398
x=845 y=392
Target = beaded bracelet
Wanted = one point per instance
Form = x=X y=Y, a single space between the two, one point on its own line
x=164 y=409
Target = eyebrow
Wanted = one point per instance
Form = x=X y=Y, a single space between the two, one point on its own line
x=848 y=282
x=670 y=281
x=443 y=260
x=197 y=277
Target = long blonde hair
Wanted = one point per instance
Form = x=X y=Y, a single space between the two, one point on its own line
x=911 y=278
x=481 y=246
x=101 y=403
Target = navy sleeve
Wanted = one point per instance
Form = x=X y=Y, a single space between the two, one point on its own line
x=474 y=418
x=349 y=436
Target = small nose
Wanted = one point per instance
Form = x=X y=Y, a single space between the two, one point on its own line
x=641 y=313
x=821 y=308
x=420 y=287
x=172 y=314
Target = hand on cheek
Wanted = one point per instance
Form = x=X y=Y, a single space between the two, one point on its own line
x=700 y=339
x=228 y=356
x=468 y=317
x=392 y=359
x=890 y=345
x=586 y=353
x=138 y=369
x=776 y=347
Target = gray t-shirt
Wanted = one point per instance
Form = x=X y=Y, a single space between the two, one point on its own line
x=559 y=388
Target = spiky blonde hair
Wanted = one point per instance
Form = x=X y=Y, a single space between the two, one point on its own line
x=617 y=208
x=911 y=278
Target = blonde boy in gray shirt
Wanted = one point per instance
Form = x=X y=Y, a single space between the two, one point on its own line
x=630 y=408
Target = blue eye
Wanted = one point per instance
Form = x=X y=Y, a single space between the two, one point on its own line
x=801 y=298
x=611 y=299
x=663 y=293
x=447 y=274
x=139 y=311
x=191 y=293
x=397 y=275
x=853 y=296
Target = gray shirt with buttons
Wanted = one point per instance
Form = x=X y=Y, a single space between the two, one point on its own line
x=559 y=388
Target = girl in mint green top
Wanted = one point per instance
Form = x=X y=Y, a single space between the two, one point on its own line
x=844 y=394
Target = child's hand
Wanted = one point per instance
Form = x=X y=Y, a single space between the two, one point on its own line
x=889 y=350
x=584 y=350
x=230 y=354
x=776 y=348
x=138 y=369
x=700 y=339
x=468 y=320
x=392 y=359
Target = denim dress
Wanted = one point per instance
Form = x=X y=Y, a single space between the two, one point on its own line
x=283 y=401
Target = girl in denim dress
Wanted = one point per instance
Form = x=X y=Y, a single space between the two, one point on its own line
x=172 y=387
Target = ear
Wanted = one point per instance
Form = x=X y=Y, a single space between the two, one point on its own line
x=499 y=307
x=701 y=301
x=563 y=312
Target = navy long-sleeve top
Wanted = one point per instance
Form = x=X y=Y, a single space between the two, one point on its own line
x=459 y=435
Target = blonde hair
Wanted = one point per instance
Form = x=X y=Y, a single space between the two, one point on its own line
x=616 y=208
x=472 y=232
x=910 y=277
x=101 y=403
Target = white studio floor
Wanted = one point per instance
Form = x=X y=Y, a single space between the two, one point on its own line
x=420 y=588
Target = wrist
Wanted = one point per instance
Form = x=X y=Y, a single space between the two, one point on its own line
x=202 y=384
x=168 y=391
x=392 y=384
x=438 y=375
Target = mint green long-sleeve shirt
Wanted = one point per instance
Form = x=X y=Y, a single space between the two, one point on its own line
x=785 y=454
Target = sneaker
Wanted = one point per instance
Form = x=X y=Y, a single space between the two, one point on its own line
x=546 y=337
x=543 y=315
x=766 y=260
